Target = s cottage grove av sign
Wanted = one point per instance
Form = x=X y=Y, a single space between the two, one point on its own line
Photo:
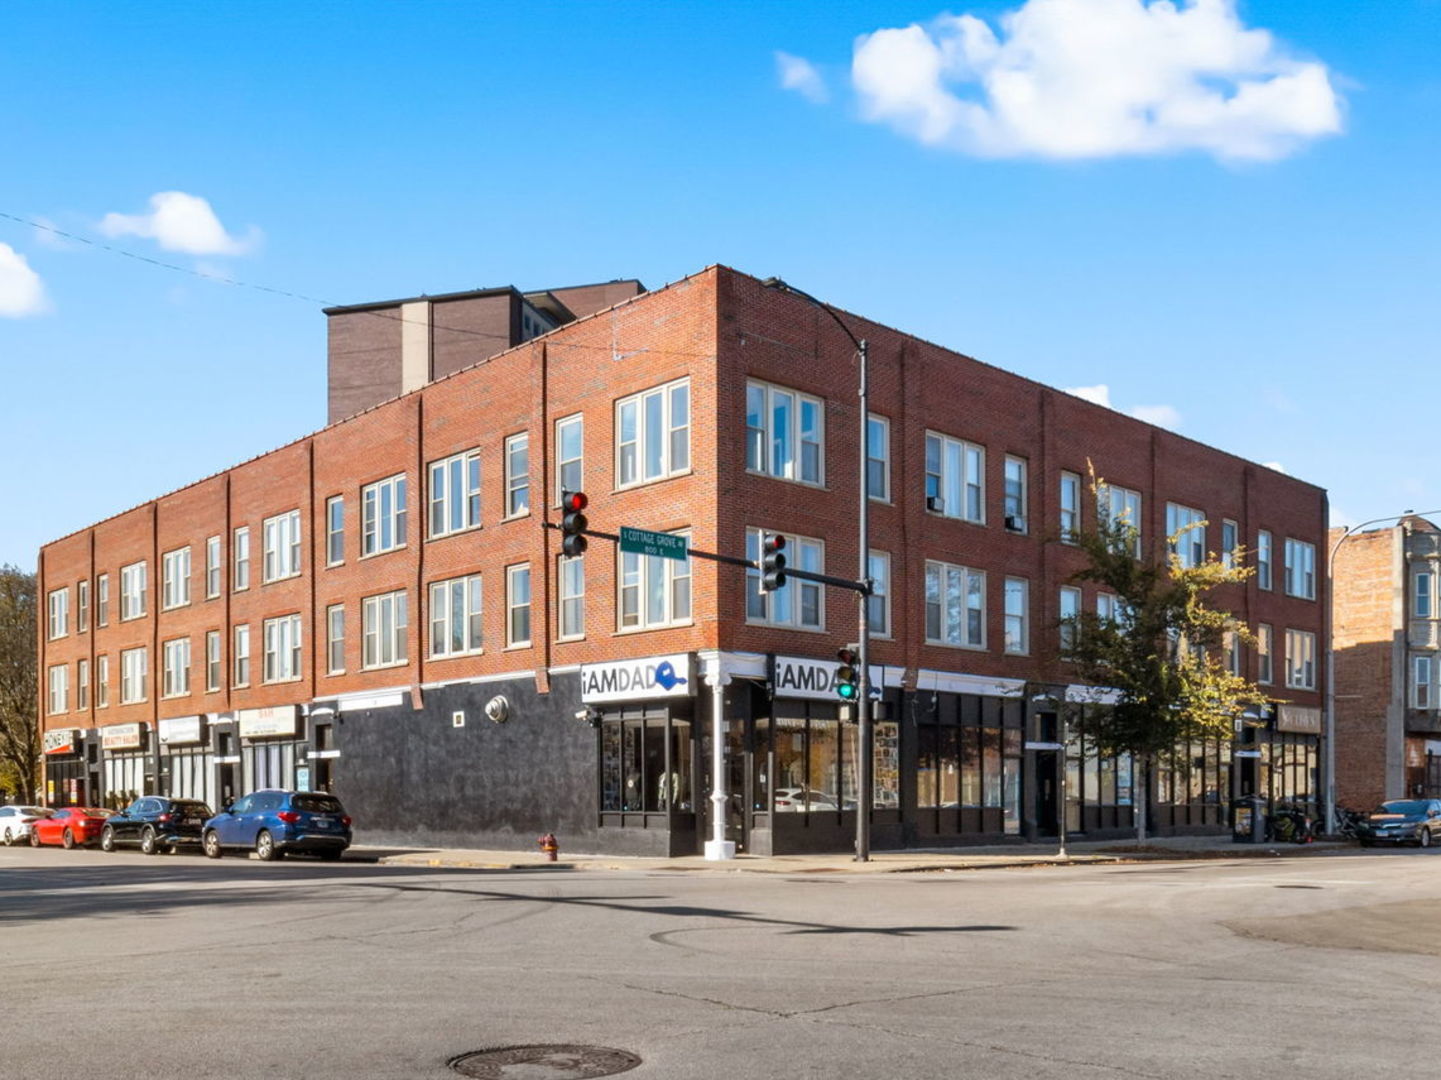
x=637 y=680
x=655 y=544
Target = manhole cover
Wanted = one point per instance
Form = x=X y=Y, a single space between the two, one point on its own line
x=547 y=1062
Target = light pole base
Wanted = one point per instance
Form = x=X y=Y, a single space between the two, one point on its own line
x=719 y=850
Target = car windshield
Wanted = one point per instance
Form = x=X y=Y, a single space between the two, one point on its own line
x=1403 y=806
x=317 y=804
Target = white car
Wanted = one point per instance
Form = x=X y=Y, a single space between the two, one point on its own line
x=15 y=822
x=794 y=799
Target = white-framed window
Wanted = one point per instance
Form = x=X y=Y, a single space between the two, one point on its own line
x=572 y=597
x=517 y=475
x=955 y=478
x=654 y=591
x=382 y=515
x=1265 y=651
x=335 y=530
x=1300 y=660
x=102 y=682
x=1014 y=498
x=1018 y=615
x=133 y=589
x=785 y=433
x=241 y=674
x=1069 y=611
x=175 y=578
x=82 y=684
x=58 y=605
x=241 y=573
x=1421 y=591
x=212 y=567
x=1231 y=648
x=1118 y=504
x=282 y=649
x=796 y=603
x=569 y=455
x=384 y=631
x=213 y=667
x=878 y=604
x=455 y=617
x=878 y=458
x=1263 y=559
x=102 y=600
x=134 y=668
x=517 y=605
x=280 y=537
x=1070 y=507
x=1421 y=682
x=652 y=439
x=1112 y=609
x=1300 y=569
x=1230 y=540
x=175 y=665
x=335 y=639
x=82 y=606
x=455 y=493
x=955 y=605
x=59 y=677
x=1186 y=534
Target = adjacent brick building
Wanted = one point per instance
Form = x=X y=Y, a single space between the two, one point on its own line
x=377 y=608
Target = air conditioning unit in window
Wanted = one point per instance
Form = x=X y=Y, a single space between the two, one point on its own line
x=935 y=504
x=1015 y=523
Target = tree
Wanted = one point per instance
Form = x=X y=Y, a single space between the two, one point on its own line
x=1161 y=653
x=19 y=742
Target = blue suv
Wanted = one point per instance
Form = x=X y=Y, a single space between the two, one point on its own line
x=272 y=823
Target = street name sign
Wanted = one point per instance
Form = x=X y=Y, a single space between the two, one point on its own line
x=655 y=544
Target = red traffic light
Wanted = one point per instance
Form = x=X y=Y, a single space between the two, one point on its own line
x=573 y=500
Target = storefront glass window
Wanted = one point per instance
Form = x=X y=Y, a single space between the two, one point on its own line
x=824 y=773
x=790 y=734
x=991 y=765
x=927 y=774
x=970 y=766
x=610 y=771
x=1011 y=782
x=760 y=778
x=886 y=766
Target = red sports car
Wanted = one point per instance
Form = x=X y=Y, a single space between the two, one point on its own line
x=69 y=827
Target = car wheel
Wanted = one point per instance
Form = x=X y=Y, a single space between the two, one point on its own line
x=107 y=839
x=34 y=837
x=68 y=839
x=212 y=845
x=148 y=846
x=9 y=837
x=1423 y=837
x=265 y=847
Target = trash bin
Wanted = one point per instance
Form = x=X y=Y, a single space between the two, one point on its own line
x=1248 y=819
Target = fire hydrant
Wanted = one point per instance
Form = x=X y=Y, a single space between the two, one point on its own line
x=549 y=846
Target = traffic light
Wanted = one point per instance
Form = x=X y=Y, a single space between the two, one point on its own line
x=573 y=522
x=848 y=675
x=773 y=562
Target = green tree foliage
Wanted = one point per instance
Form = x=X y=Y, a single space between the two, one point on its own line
x=19 y=743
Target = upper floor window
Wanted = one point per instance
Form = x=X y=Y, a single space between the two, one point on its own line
x=82 y=684
x=59 y=677
x=653 y=434
x=102 y=600
x=878 y=458
x=455 y=616
x=1186 y=534
x=955 y=478
x=384 y=630
x=382 y=509
x=1300 y=660
x=517 y=605
x=1018 y=609
x=1118 y=505
x=455 y=493
x=1230 y=540
x=242 y=656
x=517 y=475
x=212 y=567
x=134 y=667
x=102 y=682
x=335 y=639
x=282 y=649
x=1300 y=569
x=878 y=604
x=1111 y=608
x=797 y=602
x=175 y=658
x=175 y=578
x=1422 y=606
x=572 y=597
x=1070 y=614
x=654 y=591
x=1265 y=651
x=58 y=604
x=1231 y=644
x=955 y=605
x=82 y=606
x=133 y=590
x=1263 y=559
x=241 y=573
x=213 y=667
x=335 y=530
x=1421 y=682
x=1015 y=494
x=281 y=538
x=785 y=433
x=569 y=455
x=1070 y=507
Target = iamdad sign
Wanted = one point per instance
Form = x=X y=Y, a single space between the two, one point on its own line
x=637 y=680
x=798 y=677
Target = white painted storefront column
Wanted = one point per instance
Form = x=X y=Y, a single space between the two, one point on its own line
x=718 y=848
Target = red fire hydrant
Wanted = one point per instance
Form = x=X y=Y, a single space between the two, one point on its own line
x=549 y=846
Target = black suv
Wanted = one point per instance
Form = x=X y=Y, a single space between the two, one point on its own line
x=155 y=822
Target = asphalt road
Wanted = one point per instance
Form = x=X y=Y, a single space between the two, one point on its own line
x=122 y=966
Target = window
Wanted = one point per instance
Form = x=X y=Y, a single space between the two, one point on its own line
x=335 y=530
x=1230 y=539
x=569 y=455
x=82 y=606
x=1422 y=592
x=133 y=587
x=1014 y=500
x=212 y=568
x=59 y=609
x=797 y=602
x=955 y=605
x=385 y=624
x=572 y=597
x=1111 y=608
x=785 y=433
x=1231 y=645
x=1120 y=505
x=382 y=506
x=654 y=591
x=455 y=493
x=335 y=639
x=653 y=434
x=242 y=559
x=175 y=578
x=134 y=666
x=955 y=478
x=82 y=684
x=1017 y=600
x=102 y=682
x=1265 y=650
x=517 y=605
x=282 y=649
x=102 y=600
x=59 y=689
x=175 y=665
x=455 y=624
x=1263 y=559
x=878 y=457
x=212 y=661
x=242 y=656
x=1186 y=534
x=1070 y=507
x=1300 y=660
x=517 y=475
x=1300 y=569
x=1070 y=614
x=281 y=538
x=1421 y=684
x=878 y=604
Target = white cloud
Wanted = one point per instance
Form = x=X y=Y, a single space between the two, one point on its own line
x=1096 y=78
x=1166 y=416
x=1275 y=465
x=1100 y=394
x=799 y=74
x=21 y=290
x=181 y=222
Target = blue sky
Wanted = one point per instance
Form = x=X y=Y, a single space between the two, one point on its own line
x=1258 y=271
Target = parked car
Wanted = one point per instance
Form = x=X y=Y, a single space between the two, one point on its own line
x=274 y=823
x=72 y=826
x=1402 y=821
x=15 y=822
x=155 y=823
x=794 y=799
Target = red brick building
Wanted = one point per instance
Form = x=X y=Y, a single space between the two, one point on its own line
x=377 y=608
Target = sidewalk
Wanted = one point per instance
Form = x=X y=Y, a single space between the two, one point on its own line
x=1159 y=849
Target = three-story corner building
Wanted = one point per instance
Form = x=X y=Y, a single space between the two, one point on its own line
x=377 y=609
